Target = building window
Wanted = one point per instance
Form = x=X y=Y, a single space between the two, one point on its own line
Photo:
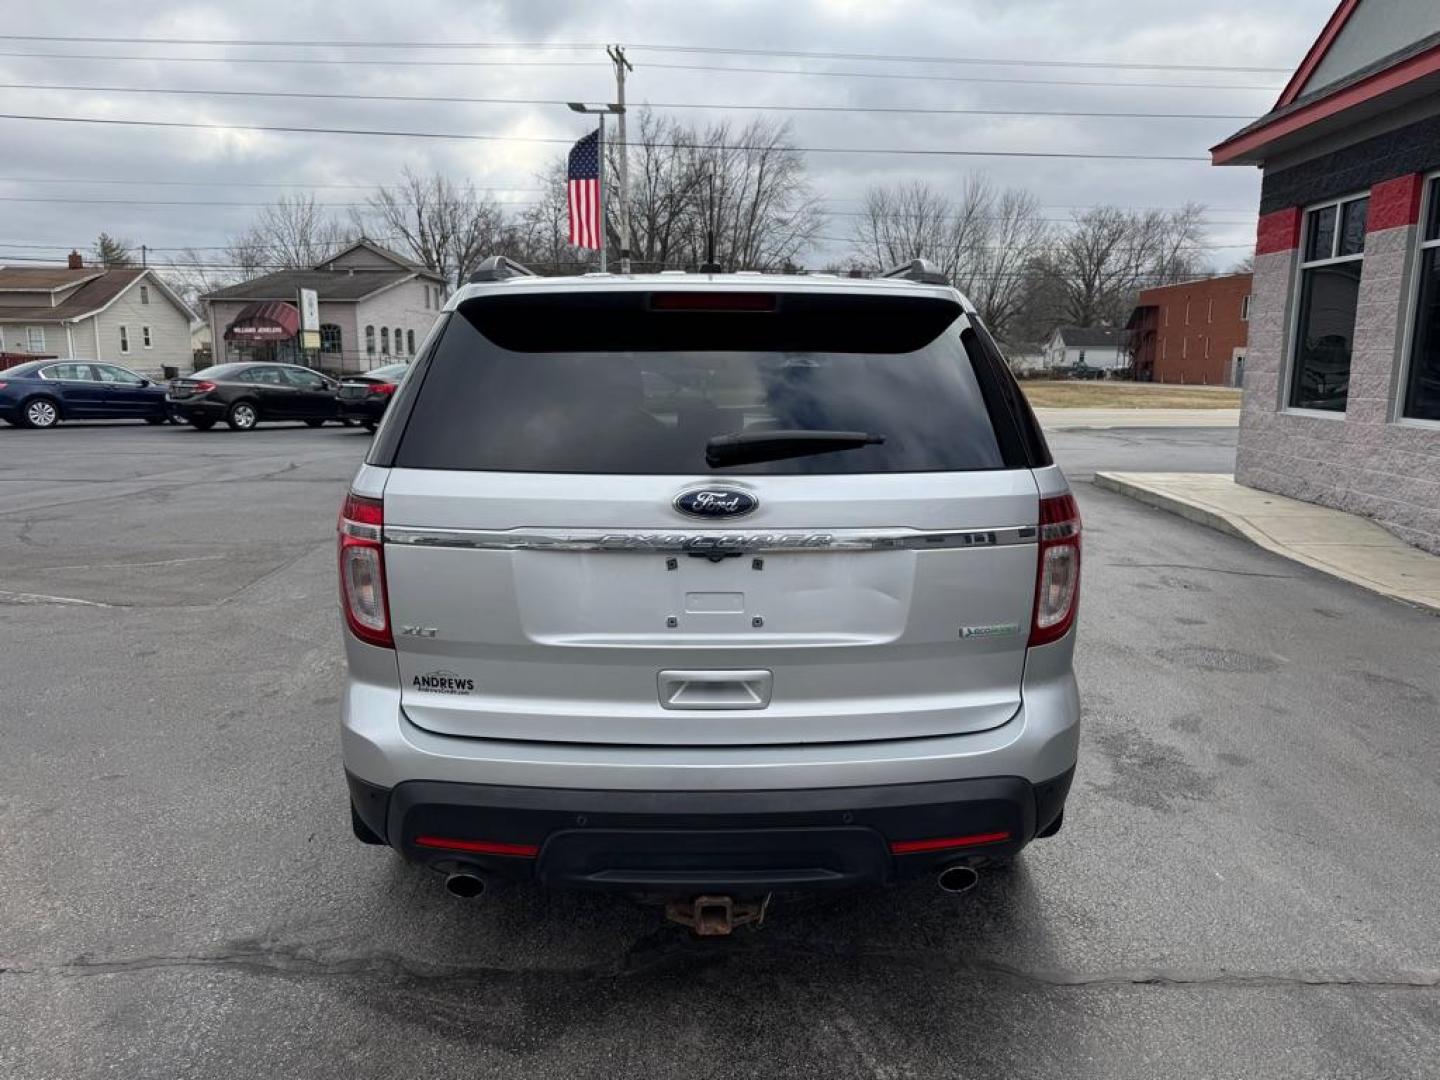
x=410 y=342
x=1422 y=382
x=399 y=342
x=428 y=298
x=1329 y=291
x=1245 y=308
x=370 y=340
x=144 y=294
x=329 y=338
x=35 y=338
x=384 y=341
x=124 y=339
x=145 y=336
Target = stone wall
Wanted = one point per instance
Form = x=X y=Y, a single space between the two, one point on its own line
x=1364 y=461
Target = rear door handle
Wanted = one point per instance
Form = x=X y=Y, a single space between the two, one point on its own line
x=715 y=689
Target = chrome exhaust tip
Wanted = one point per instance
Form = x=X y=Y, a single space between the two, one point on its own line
x=957 y=879
x=466 y=886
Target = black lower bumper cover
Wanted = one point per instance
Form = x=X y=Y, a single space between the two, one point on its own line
x=700 y=841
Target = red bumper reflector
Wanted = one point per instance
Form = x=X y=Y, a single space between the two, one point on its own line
x=944 y=843
x=478 y=847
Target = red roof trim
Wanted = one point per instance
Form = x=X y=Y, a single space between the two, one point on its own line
x=1338 y=19
x=1278 y=231
x=1382 y=82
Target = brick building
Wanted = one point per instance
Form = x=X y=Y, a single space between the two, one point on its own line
x=1193 y=332
x=1342 y=380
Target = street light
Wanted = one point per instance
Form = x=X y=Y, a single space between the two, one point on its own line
x=601 y=110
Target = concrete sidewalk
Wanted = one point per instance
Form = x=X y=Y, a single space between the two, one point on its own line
x=1343 y=545
x=1059 y=419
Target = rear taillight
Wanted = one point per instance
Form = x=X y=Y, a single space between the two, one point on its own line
x=1057 y=581
x=362 y=570
x=384 y=389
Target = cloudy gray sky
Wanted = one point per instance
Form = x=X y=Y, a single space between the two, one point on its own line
x=171 y=167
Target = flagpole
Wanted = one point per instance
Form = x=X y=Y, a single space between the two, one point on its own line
x=600 y=147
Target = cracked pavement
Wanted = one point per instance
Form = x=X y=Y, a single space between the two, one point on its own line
x=1245 y=885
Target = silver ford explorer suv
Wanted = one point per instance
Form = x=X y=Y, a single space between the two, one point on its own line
x=706 y=587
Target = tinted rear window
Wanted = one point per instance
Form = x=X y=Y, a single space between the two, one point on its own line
x=607 y=383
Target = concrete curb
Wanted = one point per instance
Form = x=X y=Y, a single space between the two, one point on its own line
x=1349 y=563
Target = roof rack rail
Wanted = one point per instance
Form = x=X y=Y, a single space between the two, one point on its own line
x=922 y=270
x=498 y=268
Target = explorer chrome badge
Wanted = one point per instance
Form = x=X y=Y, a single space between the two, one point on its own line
x=716 y=502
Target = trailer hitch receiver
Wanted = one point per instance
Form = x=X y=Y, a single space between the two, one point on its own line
x=717 y=916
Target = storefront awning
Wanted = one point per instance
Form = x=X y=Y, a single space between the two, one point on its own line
x=269 y=320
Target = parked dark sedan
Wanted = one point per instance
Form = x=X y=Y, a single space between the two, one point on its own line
x=365 y=397
x=41 y=393
x=244 y=395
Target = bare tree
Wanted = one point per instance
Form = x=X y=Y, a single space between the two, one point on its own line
x=981 y=239
x=540 y=236
x=1109 y=254
x=752 y=195
x=194 y=277
x=665 y=185
x=904 y=222
x=293 y=232
x=446 y=226
x=1012 y=234
x=747 y=189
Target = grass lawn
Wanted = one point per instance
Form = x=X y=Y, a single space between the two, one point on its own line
x=1123 y=395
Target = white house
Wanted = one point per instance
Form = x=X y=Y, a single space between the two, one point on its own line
x=125 y=316
x=1094 y=346
x=376 y=306
x=1024 y=357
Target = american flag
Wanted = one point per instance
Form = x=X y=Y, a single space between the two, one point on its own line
x=582 y=185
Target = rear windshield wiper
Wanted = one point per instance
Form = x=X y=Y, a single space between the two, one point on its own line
x=748 y=447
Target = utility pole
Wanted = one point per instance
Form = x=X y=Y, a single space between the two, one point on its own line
x=622 y=65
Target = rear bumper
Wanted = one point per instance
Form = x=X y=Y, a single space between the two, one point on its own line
x=362 y=409
x=709 y=841
x=197 y=410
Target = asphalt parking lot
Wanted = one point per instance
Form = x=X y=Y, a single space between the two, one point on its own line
x=1245 y=885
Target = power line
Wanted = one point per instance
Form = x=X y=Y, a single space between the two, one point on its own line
x=391 y=63
x=215 y=183
x=1108 y=84
x=146 y=182
x=430 y=98
x=307 y=60
x=712 y=50
x=517 y=205
x=472 y=137
x=976 y=60
x=533 y=264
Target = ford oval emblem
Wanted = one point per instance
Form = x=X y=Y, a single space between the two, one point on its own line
x=715 y=502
